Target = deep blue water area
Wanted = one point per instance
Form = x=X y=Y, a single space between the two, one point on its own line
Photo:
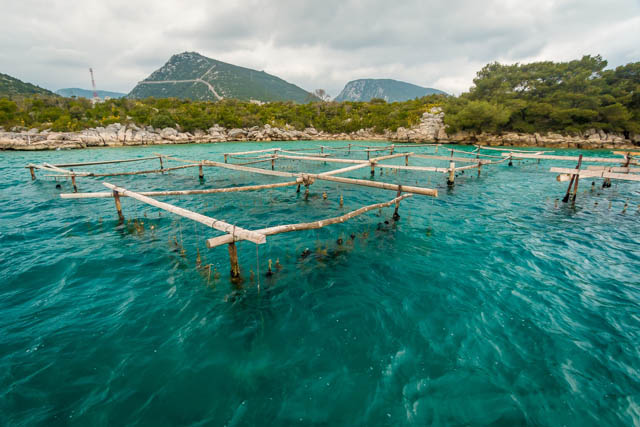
x=494 y=303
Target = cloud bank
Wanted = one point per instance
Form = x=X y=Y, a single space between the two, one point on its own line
x=312 y=44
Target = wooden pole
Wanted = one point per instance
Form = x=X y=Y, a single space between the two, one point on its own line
x=73 y=182
x=273 y=163
x=208 y=221
x=452 y=173
x=200 y=172
x=368 y=154
x=575 y=187
x=565 y=199
x=373 y=169
x=479 y=169
x=362 y=182
x=395 y=211
x=233 y=260
x=228 y=238
x=161 y=165
x=184 y=192
x=116 y=198
x=33 y=173
x=225 y=158
x=349 y=152
x=104 y=162
x=406 y=160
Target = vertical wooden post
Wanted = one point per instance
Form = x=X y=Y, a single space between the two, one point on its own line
x=116 y=198
x=322 y=149
x=373 y=169
x=273 y=163
x=395 y=212
x=452 y=173
x=161 y=165
x=391 y=149
x=73 y=182
x=200 y=172
x=406 y=160
x=298 y=190
x=368 y=154
x=225 y=158
x=575 y=187
x=479 y=168
x=233 y=260
x=349 y=152
x=33 y=173
x=565 y=199
x=306 y=191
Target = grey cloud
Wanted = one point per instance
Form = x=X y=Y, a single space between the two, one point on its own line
x=312 y=44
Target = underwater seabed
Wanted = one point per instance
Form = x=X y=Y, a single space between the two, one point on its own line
x=493 y=303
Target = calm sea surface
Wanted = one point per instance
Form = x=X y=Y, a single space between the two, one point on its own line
x=487 y=305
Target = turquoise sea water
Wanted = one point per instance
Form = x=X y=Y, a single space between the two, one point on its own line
x=487 y=305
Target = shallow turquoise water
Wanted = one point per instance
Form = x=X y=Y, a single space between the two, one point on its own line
x=488 y=305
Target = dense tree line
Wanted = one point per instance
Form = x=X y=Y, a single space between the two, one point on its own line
x=69 y=114
x=566 y=97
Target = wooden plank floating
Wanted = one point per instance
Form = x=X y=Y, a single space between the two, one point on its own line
x=208 y=221
x=228 y=238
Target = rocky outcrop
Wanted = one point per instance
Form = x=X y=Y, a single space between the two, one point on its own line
x=431 y=128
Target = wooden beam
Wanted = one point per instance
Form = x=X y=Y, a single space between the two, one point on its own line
x=413 y=168
x=208 y=221
x=106 y=195
x=447 y=158
x=570 y=158
x=617 y=169
x=228 y=238
x=407 y=189
x=510 y=150
x=320 y=159
x=240 y=153
x=375 y=184
x=346 y=169
x=104 y=162
x=596 y=174
x=237 y=167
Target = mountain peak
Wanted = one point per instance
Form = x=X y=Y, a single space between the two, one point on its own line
x=191 y=75
x=388 y=89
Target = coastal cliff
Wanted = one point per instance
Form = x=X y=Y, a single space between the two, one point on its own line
x=431 y=128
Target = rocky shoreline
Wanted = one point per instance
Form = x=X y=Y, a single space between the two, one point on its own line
x=430 y=129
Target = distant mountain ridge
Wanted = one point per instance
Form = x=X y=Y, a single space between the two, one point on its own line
x=10 y=86
x=87 y=93
x=388 y=89
x=190 y=75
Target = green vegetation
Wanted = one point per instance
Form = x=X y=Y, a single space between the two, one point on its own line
x=10 y=86
x=67 y=114
x=565 y=97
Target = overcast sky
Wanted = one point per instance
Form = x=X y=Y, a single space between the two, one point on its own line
x=314 y=44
